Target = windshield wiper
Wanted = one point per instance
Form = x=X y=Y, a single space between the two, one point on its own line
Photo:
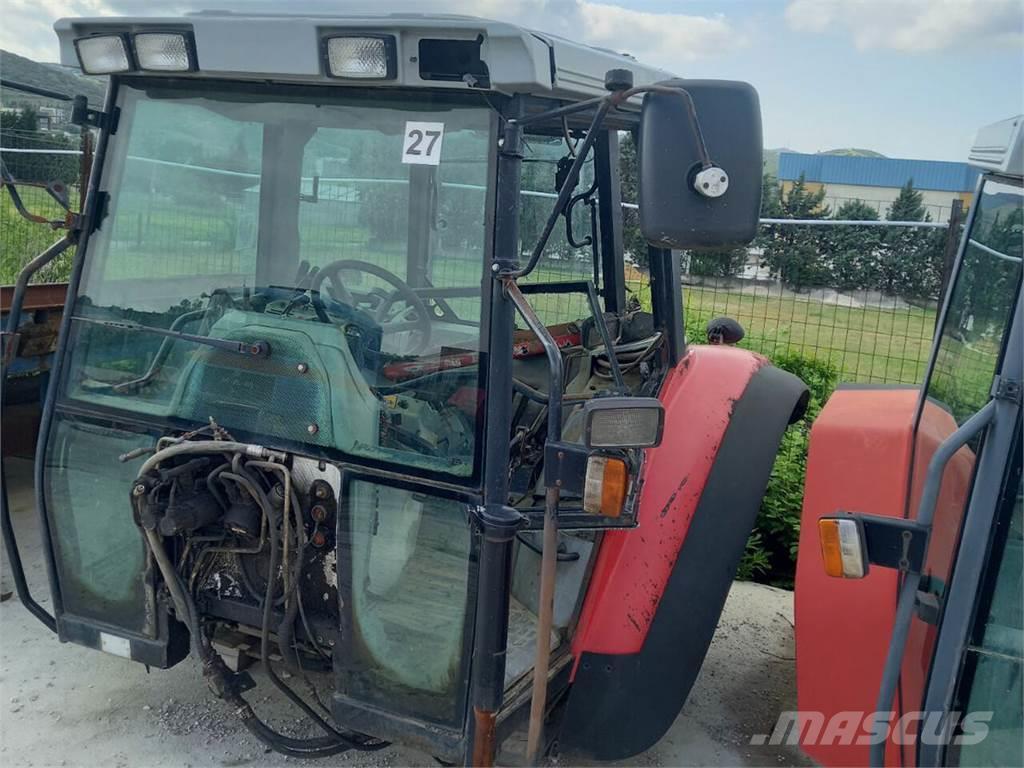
x=247 y=348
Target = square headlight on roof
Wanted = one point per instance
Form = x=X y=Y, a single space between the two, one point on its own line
x=361 y=57
x=103 y=54
x=165 y=51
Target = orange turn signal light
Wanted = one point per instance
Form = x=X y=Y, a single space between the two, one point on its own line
x=843 y=550
x=606 y=486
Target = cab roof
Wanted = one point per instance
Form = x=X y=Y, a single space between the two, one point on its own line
x=999 y=147
x=287 y=48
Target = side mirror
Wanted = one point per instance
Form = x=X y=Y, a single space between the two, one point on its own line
x=623 y=422
x=685 y=201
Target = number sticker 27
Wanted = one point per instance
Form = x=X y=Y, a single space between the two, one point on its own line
x=422 y=143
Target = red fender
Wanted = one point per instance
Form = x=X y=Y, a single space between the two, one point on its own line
x=633 y=566
x=657 y=591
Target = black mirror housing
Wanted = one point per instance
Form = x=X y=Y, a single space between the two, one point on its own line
x=673 y=214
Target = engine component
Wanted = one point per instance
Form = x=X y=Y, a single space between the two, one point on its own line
x=188 y=512
x=243 y=518
x=239 y=492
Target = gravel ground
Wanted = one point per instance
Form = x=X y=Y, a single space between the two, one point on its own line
x=64 y=705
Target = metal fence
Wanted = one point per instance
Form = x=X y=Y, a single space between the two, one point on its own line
x=862 y=296
x=36 y=161
x=877 y=333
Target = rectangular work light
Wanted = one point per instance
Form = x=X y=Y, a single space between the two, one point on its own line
x=363 y=57
x=623 y=422
x=164 y=51
x=103 y=54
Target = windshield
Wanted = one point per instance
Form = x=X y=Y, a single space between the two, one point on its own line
x=337 y=240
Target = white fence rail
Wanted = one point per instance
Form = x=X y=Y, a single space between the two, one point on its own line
x=526 y=192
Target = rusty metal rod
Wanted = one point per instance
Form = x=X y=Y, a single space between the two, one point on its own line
x=485 y=737
x=549 y=545
x=545 y=616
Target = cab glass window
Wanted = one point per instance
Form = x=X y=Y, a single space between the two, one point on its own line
x=300 y=227
x=991 y=683
x=967 y=357
x=981 y=304
x=570 y=252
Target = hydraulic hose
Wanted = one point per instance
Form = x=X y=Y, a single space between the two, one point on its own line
x=213 y=666
x=268 y=603
x=286 y=629
x=209 y=446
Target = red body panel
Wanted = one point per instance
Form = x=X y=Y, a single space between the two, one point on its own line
x=864 y=454
x=859 y=461
x=633 y=566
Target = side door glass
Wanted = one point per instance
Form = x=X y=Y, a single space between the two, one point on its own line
x=967 y=356
x=991 y=686
x=563 y=260
x=981 y=304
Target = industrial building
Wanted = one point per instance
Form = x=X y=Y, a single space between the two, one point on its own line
x=877 y=180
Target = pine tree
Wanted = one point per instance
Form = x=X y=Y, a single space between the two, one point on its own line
x=908 y=205
x=852 y=250
x=794 y=252
x=633 y=242
x=910 y=259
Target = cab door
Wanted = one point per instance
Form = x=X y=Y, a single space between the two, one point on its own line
x=979 y=656
x=976 y=364
x=868 y=648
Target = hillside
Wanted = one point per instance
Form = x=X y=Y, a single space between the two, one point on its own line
x=853 y=152
x=54 y=77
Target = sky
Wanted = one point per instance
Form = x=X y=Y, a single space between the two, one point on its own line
x=907 y=78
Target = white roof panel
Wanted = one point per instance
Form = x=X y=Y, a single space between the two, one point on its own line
x=287 y=47
x=1000 y=147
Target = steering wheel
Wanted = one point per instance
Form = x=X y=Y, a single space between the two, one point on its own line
x=381 y=307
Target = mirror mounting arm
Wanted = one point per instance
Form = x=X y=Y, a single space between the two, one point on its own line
x=619 y=82
x=572 y=179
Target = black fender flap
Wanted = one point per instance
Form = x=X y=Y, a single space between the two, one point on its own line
x=621 y=705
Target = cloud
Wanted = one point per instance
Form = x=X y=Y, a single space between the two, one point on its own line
x=660 y=37
x=913 y=26
x=27 y=28
x=657 y=38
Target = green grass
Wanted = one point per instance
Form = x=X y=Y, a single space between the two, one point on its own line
x=866 y=344
x=22 y=240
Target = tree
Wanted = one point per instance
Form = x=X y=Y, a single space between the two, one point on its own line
x=852 y=250
x=793 y=253
x=910 y=260
x=20 y=128
x=720 y=262
x=982 y=285
x=771 y=197
x=908 y=205
x=22 y=119
x=633 y=241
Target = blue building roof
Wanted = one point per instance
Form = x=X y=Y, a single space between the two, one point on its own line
x=938 y=175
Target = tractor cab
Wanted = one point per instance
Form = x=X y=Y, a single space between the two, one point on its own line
x=909 y=625
x=354 y=382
